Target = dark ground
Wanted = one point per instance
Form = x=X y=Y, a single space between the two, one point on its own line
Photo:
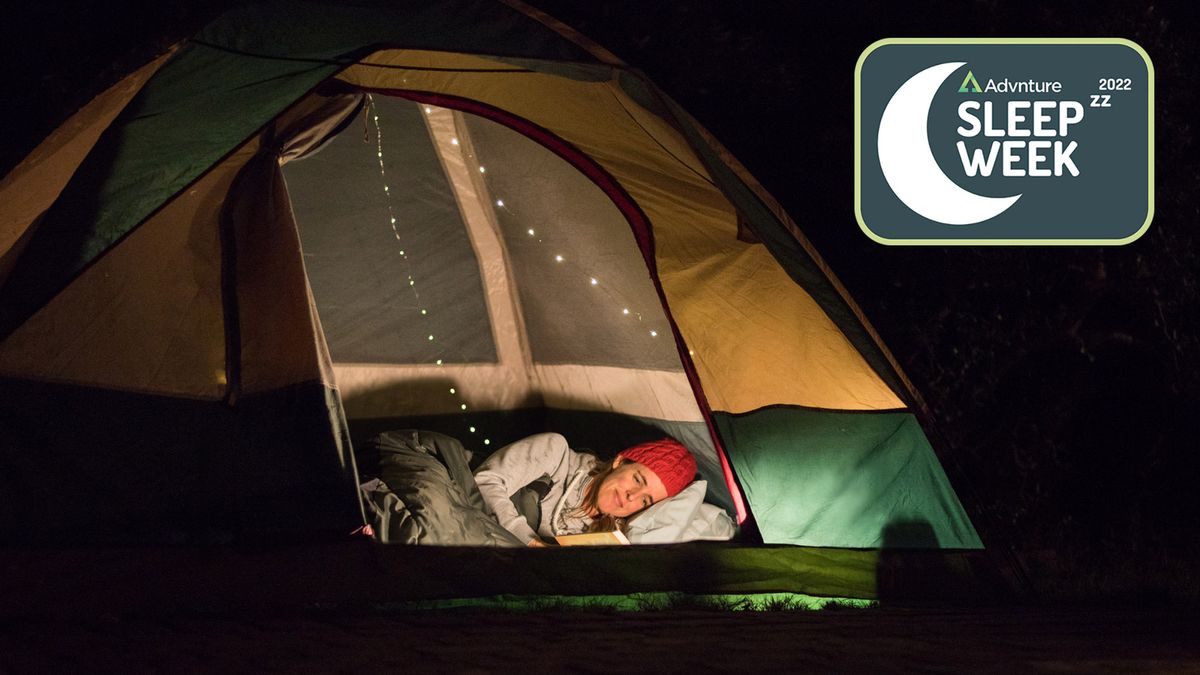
x=692 y=641
x=1064 y=383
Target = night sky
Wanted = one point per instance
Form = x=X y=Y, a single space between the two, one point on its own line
x=1064 y=383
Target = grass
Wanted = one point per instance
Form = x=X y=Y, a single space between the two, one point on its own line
x=1150 y=578
x=638 y=602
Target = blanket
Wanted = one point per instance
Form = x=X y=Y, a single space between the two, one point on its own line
x=425 y=493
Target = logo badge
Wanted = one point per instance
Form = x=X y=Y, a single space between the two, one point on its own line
x=983 y=142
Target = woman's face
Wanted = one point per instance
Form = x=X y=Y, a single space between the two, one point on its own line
x=630 y=488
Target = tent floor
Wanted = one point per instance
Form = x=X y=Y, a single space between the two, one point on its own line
x=359 y=575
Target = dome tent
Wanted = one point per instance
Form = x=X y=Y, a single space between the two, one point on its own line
x=199 y=333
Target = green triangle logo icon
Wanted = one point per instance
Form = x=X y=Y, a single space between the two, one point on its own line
x=969 y=85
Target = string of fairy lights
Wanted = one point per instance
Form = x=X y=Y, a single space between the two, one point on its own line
x=402 y=252
x=578 y=270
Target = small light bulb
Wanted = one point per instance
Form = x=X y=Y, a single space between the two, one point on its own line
x=431 y=337
x=531 y=231
x=691 y=353
x=463 y=406
x=401 y=250
x=428 y=110
x=380 y=153
x=594 y=282
x=653 y=333
x=499 y=202
x=625 y=311
x=452 y=390
x=439 y=362
x=453 y=141
x=472 y=429
x=377 y=118
x=424 y=312
x=411 y=282
x=487 y=441
x=385 y=188
x=393 y=220
x=558 y=258
x=483 y=169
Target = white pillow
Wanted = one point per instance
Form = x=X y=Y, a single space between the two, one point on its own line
x=684 y=517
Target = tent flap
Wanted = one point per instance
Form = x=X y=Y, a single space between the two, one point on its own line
x=859 y=480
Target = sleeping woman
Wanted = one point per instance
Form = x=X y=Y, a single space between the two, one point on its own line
x=569 y=492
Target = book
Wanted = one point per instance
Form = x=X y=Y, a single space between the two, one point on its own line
x=614 y=538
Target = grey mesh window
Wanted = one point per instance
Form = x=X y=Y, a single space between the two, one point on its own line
x=384 y=286
x=585 y=292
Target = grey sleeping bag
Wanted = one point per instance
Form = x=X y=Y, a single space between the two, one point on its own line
x=425 y=493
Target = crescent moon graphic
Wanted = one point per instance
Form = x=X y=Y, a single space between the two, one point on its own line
x=908 y=163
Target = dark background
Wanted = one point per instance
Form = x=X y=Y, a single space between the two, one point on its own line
x=1062 y=381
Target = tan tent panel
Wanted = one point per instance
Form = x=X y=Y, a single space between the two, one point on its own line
x=281 y=341
x=695 y=230
x=775 y=208
x=455 y=147
x=375 y=391
x=139 y=335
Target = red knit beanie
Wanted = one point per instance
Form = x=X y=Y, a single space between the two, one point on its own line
x=668 y=459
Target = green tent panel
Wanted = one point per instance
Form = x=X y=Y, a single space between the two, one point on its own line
x=858 y=480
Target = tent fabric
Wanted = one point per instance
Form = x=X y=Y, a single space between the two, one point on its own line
x=279 y=341
x=357 y=576
x=761 y=214
x=205 y=89
x=570 y=217
x=430 y=226
x=84 y=465
x=168 y=273
x=346 y=217
x=708 y=271
x=858 y=480
x=31 y=187
x=860 y=524
x=346 y=230
x=861 y=332
x=192 y=272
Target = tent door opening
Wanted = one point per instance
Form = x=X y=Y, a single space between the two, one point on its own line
x=470 y=281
